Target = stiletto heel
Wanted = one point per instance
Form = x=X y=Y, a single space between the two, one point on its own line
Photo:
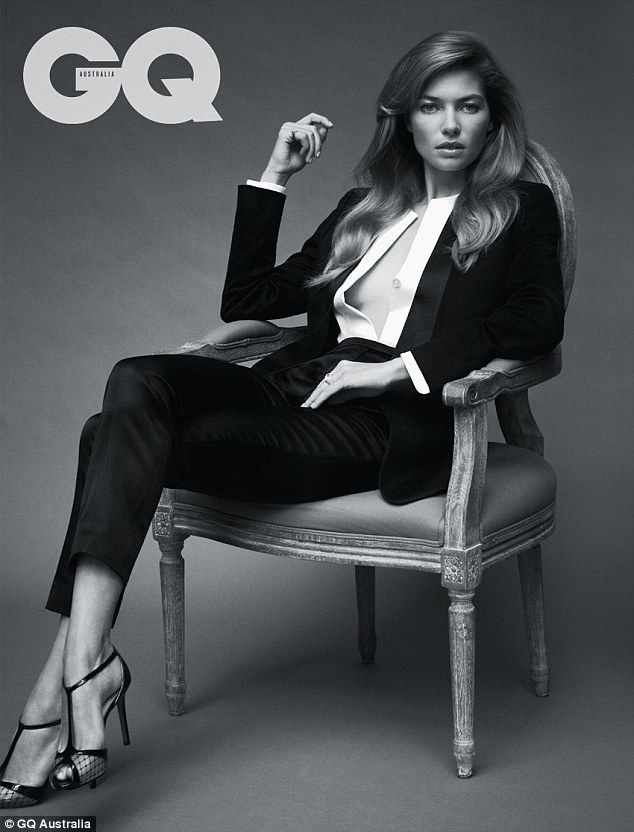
x=15 y=795
x=89 y=765
x=123 y=721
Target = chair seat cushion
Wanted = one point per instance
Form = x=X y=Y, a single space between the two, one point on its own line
x=519 y=484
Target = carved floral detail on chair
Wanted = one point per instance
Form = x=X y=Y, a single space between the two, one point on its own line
x=454 y=573
x=454 y=570
x=473 y=569
x=162 y=523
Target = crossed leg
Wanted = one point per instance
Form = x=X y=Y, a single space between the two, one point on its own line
x=188 y=422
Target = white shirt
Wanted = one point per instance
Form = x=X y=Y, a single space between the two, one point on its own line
x=406 y=272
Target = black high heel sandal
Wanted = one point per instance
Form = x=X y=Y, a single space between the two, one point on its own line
x=89 y=765
x=15 y=795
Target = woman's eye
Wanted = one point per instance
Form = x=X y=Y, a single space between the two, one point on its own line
x=427 y=107
x=471 y=108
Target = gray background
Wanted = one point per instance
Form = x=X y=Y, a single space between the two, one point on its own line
x=115 y=239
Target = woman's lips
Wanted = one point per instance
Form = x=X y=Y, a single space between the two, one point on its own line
x=450 y=151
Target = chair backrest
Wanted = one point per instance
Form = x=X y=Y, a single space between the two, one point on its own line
x=542 y=167
x=513 y=409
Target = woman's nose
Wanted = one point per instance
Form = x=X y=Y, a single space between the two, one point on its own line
x=450 y=126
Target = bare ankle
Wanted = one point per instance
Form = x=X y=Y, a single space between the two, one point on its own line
x=44 y=703
x=80 y=656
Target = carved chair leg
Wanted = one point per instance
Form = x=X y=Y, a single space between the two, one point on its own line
x=462 y=654
x=172 y=568
x=365 y=582
x=530 y=569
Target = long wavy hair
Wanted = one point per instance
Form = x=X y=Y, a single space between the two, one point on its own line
x=394 y=171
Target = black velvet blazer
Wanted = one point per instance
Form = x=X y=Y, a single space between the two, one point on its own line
x=509 y=305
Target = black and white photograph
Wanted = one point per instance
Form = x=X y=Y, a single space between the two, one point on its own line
x=316 y=440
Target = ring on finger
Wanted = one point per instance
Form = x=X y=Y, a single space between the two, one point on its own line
x=329 y=378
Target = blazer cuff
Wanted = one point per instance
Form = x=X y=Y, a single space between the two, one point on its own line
x=271 y=186
x=418 y=379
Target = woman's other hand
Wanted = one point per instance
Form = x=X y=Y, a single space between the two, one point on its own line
x=298 y=143
x=357 y=379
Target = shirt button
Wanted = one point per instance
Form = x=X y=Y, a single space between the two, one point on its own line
x=396 y=282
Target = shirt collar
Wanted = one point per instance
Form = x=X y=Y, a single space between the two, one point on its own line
x=441 y=202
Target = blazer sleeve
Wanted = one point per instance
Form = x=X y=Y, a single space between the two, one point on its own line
x=531 y=320
x=255 y=288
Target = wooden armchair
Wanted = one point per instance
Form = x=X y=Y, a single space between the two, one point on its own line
x=500 y=503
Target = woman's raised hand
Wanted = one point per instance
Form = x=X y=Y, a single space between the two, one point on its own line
x=298 y=143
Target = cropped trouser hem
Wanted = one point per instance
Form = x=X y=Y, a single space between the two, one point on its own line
x=60 y=596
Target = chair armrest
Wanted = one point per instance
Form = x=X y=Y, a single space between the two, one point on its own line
x=241 y=341
x=469 y=396
x=500 y=376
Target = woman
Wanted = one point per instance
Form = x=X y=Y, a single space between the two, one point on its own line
x=445 y=261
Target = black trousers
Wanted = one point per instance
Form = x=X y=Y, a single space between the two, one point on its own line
x=204 y=425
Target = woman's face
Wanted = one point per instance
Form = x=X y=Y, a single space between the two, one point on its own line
x=450 y=124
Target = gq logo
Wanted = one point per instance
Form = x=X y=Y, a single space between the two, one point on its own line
x=190 y=99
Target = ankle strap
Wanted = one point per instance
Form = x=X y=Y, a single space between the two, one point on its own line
x=41 y=724
x=93 y=672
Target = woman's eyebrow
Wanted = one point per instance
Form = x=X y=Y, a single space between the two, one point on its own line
x=462 y=98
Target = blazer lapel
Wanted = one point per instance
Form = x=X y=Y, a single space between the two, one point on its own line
x=338 y=281
x=424 y=310
x=327 y=294
x=429 y=293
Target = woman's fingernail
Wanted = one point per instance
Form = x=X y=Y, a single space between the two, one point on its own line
x=318 y=152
